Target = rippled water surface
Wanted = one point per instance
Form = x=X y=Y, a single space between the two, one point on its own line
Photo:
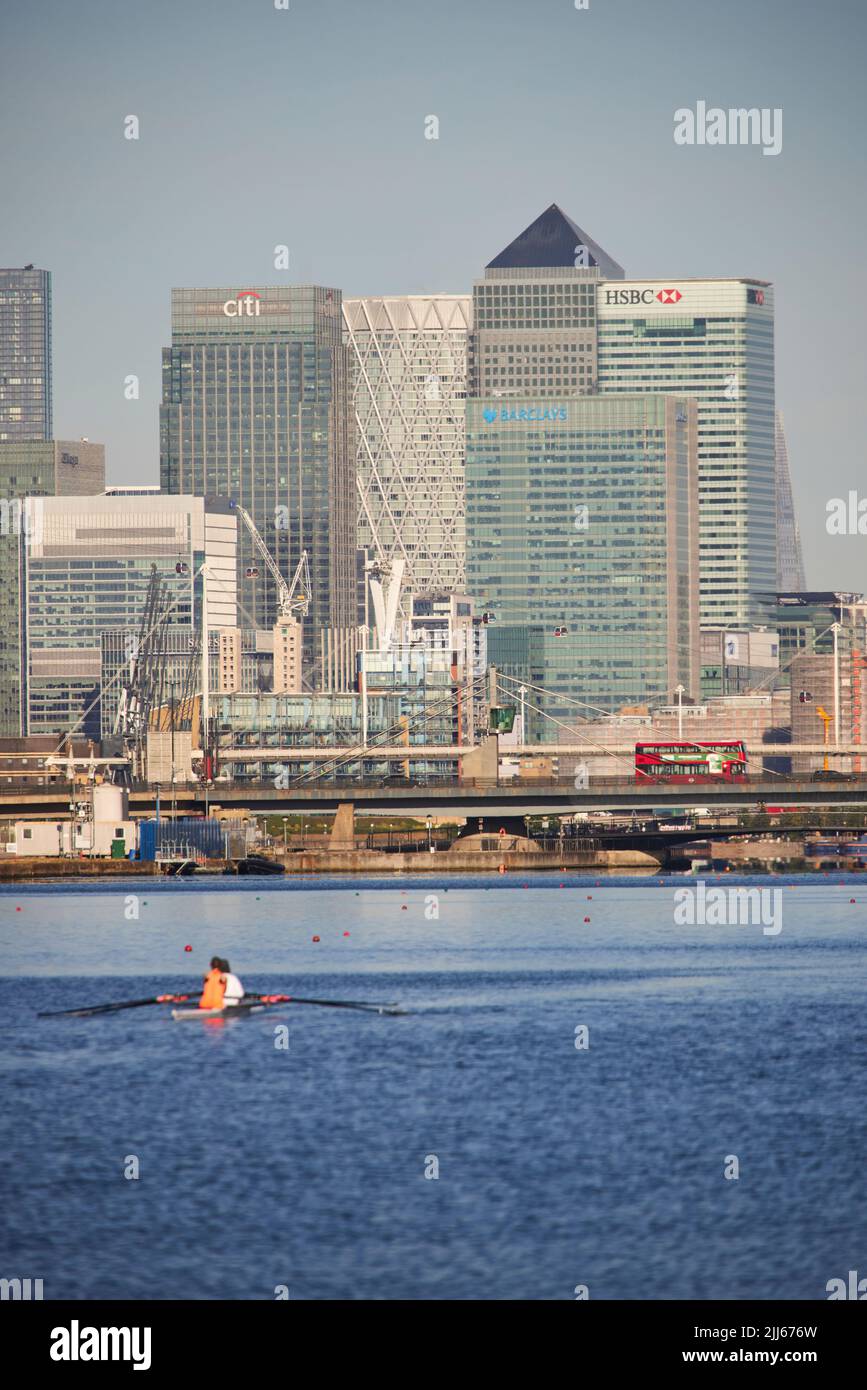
x=305 y=1166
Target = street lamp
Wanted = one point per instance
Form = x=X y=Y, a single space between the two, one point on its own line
x=429 y=824
x=679 y=692
x=285 y=841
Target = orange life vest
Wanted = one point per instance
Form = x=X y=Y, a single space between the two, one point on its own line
x=212 y=994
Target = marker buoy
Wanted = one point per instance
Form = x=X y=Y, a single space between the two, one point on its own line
x=188 y=948
x=586 y=919
x=315 y=938
x=346 y=933
x=18 y=909
x=403 y=907
x=851 y=900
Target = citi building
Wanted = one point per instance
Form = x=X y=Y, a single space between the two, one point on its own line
x=255 y=408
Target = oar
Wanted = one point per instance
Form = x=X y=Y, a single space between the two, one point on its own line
x=331 y=1003
x=113 y=1008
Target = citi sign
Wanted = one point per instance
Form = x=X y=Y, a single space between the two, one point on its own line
x=642 y=296
x=244 y=306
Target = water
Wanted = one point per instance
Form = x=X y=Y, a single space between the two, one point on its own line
x=262 y=1167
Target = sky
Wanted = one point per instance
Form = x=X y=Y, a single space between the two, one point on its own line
x=305 y=127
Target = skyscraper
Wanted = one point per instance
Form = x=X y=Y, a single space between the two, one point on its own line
x=534 y=312
x=25 y=355
x=54 y=468
x=409 y=386
x=582 y=544
x=256 y=408
x=790 y=563
x=712 y=340
x=582 y=524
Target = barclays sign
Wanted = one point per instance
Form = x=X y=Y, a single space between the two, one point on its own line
x=531 y=414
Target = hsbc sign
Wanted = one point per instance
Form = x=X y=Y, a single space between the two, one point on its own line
x=649 y=296
x=244 y=305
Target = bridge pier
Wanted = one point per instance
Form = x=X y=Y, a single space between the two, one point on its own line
x=343 y=829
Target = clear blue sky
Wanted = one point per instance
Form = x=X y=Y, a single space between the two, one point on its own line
x=306 y=127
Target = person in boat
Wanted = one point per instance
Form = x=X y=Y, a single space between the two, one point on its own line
x=234 y=990
x=215 y=986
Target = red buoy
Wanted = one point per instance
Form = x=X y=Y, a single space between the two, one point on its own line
x=315 y=938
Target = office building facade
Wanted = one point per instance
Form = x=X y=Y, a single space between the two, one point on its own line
x=582 y=547
x=256 y=408
x=25 y=355
x=712 y=340
x=86 y=579
x=30 y=471
x=409 y=384
x=790 y=562
x=534 y=312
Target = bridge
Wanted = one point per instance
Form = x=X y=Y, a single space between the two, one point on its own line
x=487 y=801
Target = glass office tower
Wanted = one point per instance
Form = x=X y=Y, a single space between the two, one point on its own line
x=255 y=408
x=25 y=355
x=712 y=340
x=582 y=546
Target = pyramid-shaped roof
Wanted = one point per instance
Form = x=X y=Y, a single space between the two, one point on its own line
x=552 y=241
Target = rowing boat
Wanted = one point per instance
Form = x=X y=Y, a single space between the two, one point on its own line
x=228 y=1011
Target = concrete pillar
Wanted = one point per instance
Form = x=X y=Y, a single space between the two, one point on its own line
x=343 y=829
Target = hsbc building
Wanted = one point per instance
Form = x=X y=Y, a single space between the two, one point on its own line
x=712 y=340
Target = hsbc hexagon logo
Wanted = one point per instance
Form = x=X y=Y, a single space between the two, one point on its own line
x=669 y=296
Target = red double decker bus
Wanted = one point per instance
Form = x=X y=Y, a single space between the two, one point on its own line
x=690 y=762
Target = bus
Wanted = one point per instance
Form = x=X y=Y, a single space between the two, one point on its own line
x=687 y=762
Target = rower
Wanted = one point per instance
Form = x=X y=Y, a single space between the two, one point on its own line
x=234 y=991
x=215 y=986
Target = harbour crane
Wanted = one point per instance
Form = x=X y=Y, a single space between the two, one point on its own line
x=293 y=599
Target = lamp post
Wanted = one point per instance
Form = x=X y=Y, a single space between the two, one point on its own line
x=285 y=841
x=429 y=825
x=678 y=690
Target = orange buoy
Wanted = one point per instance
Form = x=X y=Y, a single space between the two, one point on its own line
x=315 y=938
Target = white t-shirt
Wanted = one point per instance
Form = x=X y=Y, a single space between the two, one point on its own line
x=234 y=989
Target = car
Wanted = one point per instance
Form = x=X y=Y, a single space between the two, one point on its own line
x=830 y=774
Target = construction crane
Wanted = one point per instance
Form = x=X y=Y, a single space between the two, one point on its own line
x=293 y=599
